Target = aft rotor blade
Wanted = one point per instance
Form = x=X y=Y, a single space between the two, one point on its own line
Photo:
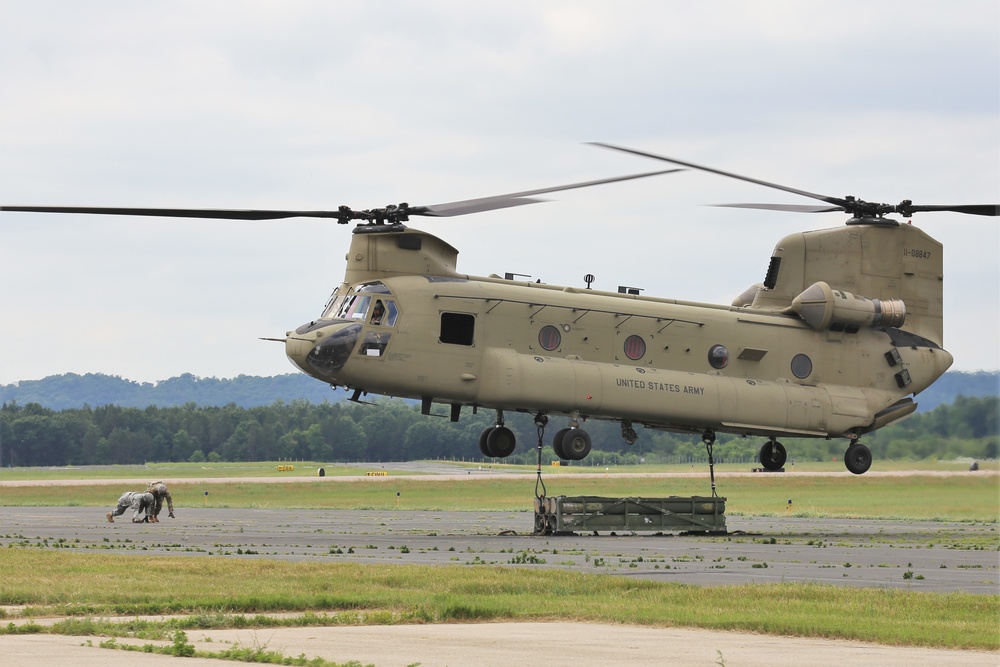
x=852 y=205
x=805 y=193
x=221 y=214
x=481 y=204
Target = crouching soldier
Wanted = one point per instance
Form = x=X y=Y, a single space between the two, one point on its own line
x=139 y=502
x=160 y=493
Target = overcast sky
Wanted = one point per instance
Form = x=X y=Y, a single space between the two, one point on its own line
x=311 y=105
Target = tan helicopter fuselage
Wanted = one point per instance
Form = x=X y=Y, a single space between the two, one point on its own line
x=801 y=357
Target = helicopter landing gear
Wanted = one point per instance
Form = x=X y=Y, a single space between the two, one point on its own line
x=557 y=442
x=628 y=433
x=858 y=458
x=497 y=441
x=772 y=455
x=500 y=441
x=571 y=443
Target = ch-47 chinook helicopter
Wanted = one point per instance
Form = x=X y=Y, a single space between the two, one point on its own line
x=845 y=327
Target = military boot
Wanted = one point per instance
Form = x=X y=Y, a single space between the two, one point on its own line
x=111 y=518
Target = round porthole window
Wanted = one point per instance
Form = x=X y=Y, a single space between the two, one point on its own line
x=635 y=347
x=718 y=356
x=802 y=366
x=549 y=337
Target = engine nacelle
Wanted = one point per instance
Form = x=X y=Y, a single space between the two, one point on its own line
x=824 y=308
x=746 y=298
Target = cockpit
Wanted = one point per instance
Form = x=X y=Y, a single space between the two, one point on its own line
x=355 y=323
x=356 y=303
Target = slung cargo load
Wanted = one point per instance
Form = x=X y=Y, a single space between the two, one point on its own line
x=568 y=514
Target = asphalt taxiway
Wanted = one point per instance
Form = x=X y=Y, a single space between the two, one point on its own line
x=917 y=555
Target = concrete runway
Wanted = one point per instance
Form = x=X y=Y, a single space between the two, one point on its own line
x=879 y=554
x=500 y=645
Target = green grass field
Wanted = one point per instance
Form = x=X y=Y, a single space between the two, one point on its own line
x=963 y=497
x=345 y=593
x=152 y=471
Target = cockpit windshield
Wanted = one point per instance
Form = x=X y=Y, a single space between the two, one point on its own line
x=355 y=308
x=355 y=304
x=333 y=304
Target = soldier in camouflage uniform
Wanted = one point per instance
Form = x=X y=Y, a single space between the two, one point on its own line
x=160 y=493
x=139 y=502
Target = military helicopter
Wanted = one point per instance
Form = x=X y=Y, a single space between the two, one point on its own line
x=844 y=329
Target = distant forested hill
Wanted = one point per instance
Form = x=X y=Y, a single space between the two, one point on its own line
x=957 y=383
x=60 y=392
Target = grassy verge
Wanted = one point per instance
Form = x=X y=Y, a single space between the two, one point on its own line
x=181 y=648
x=152 y=471
x=972 y=497
x=109 y=585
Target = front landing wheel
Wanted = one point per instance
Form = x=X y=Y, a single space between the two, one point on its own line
x=501 y=442
x=557 y=443
x=576 y=444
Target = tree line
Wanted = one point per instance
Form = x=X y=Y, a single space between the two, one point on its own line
x=394 y=430
x=74 y=391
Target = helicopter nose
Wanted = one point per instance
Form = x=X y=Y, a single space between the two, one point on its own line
x=324 y=358
x=297 y=349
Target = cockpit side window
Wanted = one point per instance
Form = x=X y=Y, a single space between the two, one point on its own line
x=384 y=313
x=378 y=312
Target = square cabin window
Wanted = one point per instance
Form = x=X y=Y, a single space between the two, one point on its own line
x=457 y=328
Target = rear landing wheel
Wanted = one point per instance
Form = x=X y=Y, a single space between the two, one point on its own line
x=858 y=458
x=772 y=455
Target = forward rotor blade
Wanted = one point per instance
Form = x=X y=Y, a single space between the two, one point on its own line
x=971 y=209
x=221 y=214
x=481 y=204
x=468 y=206
x=343 y=214
x=794 y=208
x=805 y=193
